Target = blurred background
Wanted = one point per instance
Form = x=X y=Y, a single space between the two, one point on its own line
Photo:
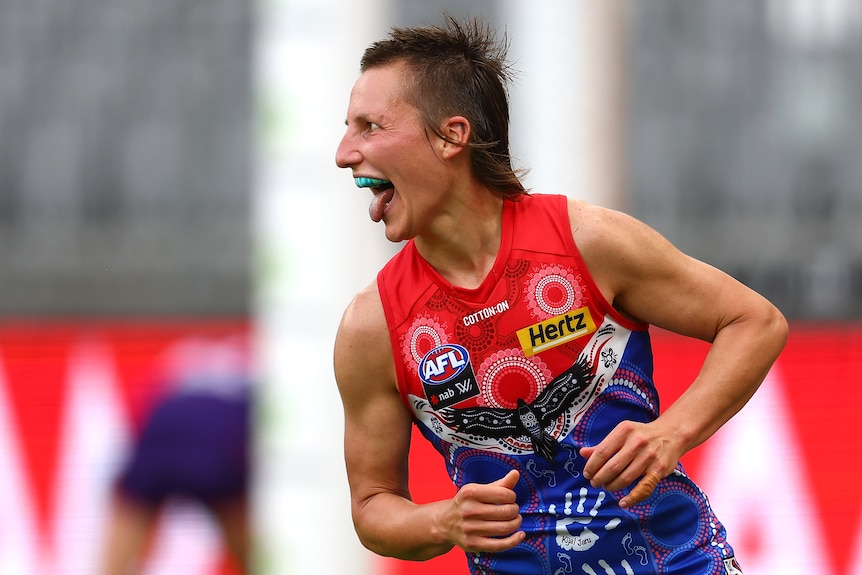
x=168 y=190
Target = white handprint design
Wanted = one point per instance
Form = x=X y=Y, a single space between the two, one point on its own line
x=579 y=531
x=586 y=538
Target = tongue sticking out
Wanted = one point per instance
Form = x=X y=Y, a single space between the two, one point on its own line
x=383 y=192
x=378 y=203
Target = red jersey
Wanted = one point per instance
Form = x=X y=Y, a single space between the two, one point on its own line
x=523 y=371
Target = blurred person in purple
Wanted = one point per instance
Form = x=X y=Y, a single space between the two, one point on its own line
x=193 y=446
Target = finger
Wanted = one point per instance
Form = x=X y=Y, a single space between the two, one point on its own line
x=642 y=490
x=505 y=543
x=495 y=544
x=594 y=462
x=500 y=492
x=598 y=455
x=509 y=481
x=500 y=513
x=603 y=470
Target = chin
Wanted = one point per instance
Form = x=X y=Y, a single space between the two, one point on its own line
x=395 y=236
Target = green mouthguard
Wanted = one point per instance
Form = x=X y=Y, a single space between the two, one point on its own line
x=369 y=182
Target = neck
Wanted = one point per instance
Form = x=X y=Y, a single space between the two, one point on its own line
x=464 y=250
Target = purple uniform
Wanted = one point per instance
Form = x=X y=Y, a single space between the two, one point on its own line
x=195 y=445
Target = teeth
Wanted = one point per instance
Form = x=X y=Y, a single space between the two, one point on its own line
x=369 y=182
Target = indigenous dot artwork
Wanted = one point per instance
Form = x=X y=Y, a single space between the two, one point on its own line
x=425 y=334
x=478 y=336
x=672 y=531
x=553 y=290
x=510 y=376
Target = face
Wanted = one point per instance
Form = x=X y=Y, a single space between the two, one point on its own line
x=387 y=140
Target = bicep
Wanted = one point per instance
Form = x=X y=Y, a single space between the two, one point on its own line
x=679 y=293
x=377 y=424
x=648 y=279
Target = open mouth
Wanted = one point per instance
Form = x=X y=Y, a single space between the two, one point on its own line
x=383 y=191
x=363 y=182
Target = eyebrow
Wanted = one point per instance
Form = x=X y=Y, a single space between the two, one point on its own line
x=360 y=118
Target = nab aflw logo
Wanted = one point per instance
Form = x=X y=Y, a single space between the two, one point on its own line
x=447 y=375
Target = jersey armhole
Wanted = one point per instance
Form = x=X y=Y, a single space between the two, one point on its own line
x=603 y=304
x=393 y=340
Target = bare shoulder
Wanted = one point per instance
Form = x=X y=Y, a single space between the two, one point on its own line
x=363 y=352
x=617 y=248
x=596 y=228
x=647 y=278
x=364 y=314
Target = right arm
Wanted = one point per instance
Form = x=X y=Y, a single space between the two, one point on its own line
x=377 y=434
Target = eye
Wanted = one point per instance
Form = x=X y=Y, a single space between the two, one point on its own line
x=369 y=127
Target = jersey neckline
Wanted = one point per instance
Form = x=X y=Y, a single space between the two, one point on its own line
x=491 y=279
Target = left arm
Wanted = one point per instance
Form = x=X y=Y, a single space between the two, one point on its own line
x=648 y=279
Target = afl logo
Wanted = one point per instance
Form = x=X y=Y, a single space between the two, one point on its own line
x=443 y=363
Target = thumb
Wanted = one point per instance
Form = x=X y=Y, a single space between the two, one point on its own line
x=510 y=480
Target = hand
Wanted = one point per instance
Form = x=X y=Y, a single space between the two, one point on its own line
x=631 y=451
x=485 y=517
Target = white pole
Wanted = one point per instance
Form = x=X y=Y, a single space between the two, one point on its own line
x=567 y=104
x=315 y=247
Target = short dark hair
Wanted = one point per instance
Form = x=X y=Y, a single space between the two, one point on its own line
x=458 y=69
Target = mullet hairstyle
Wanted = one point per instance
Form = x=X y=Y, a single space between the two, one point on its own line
x=458 y=69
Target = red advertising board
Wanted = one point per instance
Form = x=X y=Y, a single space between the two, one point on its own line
x=72 y=396
x=785 y=475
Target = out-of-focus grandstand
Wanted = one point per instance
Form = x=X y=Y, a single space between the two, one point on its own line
x=745 y=125
x=125 y=157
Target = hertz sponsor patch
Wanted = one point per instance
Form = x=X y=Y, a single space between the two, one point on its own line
x=556 y=331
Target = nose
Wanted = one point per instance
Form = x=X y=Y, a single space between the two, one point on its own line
x=347 y=154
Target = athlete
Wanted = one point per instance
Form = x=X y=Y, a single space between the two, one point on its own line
x=512 y=330
x=194 y=447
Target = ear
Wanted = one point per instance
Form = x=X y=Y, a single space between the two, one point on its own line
x=457 y=132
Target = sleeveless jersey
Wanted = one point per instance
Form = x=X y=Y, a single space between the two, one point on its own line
x=522 y=372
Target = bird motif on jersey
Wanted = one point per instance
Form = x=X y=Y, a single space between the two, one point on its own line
x=531 y=419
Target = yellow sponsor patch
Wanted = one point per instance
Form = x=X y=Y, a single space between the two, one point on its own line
x=556 y=331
